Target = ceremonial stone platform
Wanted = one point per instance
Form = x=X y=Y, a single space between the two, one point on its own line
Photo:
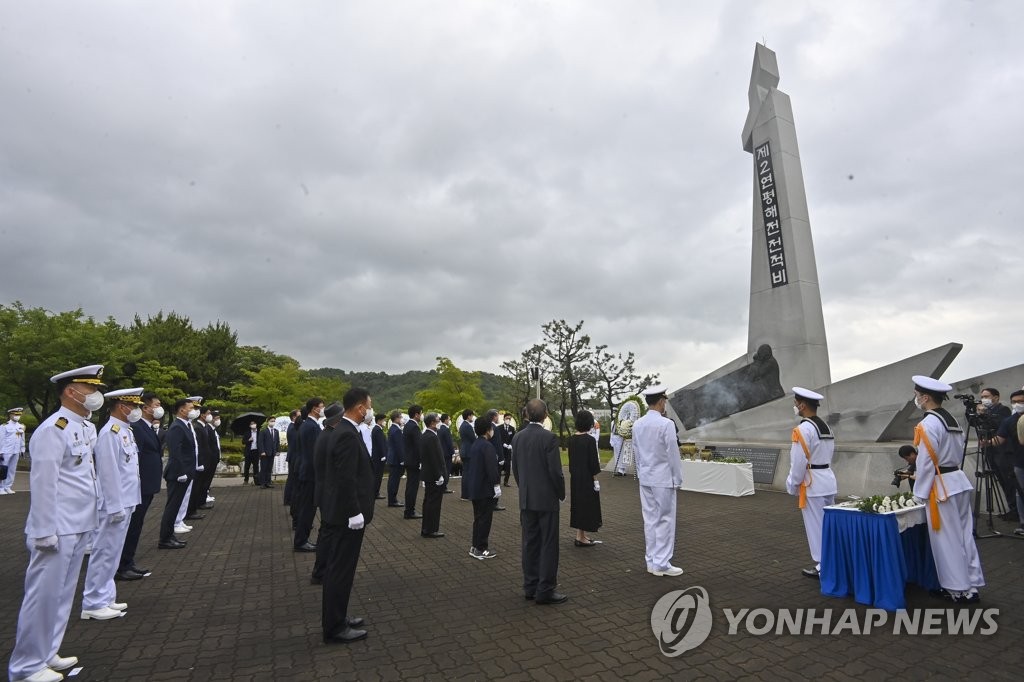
x=237 y=603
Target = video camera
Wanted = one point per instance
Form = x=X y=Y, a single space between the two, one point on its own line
x=900 y=475
x=981 y=421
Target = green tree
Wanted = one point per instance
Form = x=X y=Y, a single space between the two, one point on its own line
x=453 y=390
x=615 y=376
x=276 y=390
x=569 y=349
x=169 y=383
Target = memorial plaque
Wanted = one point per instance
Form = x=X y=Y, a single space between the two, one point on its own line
x=763 y=460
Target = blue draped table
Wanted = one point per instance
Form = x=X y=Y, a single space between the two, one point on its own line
x=869 y=557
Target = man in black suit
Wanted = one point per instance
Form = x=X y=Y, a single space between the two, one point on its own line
x=305 y=495
x=379 y=452
x=411 y=435
x=466 y=438
x=396 y=458
x=435 y=478
x=444 y=434
x=150 y=463
x=347 y=508
x=268 y=450
x=537 y=467
x=508 y=432
x=182 y=451
x=332 y=415
x=204 y=439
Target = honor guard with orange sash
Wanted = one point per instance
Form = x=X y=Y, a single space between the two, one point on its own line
x=810 y=469
x=945 y=489
x=61 y=520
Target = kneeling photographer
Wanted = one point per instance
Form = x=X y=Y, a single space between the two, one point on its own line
x=1008 y=438
x=908 y=453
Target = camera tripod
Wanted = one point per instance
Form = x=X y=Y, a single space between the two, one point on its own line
x=995 y=502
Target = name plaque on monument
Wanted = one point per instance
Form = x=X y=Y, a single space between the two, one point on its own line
x=770 y=213
x=764 y=460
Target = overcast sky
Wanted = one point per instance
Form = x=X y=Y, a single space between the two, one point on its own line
x=368 y=185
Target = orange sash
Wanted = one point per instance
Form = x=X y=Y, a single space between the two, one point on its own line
x=798 y=437
x=933 y=497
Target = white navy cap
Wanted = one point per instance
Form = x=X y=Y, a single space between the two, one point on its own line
x=928 y=385
x=90 y=374
x=801 y=392
x=16 y=410
x=126 y=395
x=655 y=390
x=197 y=399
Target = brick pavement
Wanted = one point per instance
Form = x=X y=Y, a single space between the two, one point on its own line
x=237 y=603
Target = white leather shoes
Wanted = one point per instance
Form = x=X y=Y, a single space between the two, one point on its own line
x=59 y=662
x=182 y=528
x=44 y=675
x=115 y=605
x=670 y=571
x=101 y=614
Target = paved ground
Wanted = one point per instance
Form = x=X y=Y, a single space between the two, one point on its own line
x=237 y=603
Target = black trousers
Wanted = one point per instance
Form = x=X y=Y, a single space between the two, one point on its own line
x=200 y=488
x=433 y=495
x=378 y=476
x=131 y=540
x=506 y=468
x=540 y=551
x=266 y=469
x=252 y=459
x=305 y=512
x=394 y=480
x=483 y=514
x=412 y=488
x=342 y=556
x=289 y=484
x=325 y=541
x=175 y=496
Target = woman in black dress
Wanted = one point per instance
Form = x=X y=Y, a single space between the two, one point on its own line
x=584 y=465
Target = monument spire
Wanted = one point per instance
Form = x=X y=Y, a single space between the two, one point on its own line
x=785 y=302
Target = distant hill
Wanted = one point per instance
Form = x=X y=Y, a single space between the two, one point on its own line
x=398 y=391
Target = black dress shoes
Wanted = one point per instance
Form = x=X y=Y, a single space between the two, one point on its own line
x=128 y=575
x=396 y=504
x=355 y=622
x=529 y=595
x=347 y=635
x=308 y=547
x=144 y=572
x=448 y=491
x=171 y=544
x=380 y=497
x=432 y=535
x=553 y=598
x=414 y=515
x=195 y=517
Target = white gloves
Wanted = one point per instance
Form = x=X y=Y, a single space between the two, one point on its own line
x=439 y=481
x=200 y=468
x=117 y=517
x=49 y=543
x=597 y=486
x=182 y=478
x=356 y=522
x=920 y=500
x=497 y=491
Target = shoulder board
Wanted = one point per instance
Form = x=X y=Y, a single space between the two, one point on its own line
x=61 y=423
x=820 y=426
x=948 y=420
x=115 y=428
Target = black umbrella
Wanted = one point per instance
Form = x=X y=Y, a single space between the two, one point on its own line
x=240 y=424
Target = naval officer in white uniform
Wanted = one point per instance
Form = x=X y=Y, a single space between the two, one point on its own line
x=947 y=490
x=659 y=469
x=810 y=469
x=117 y=469
x=12 y=447
x=61 y=520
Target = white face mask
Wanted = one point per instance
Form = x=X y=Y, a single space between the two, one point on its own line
x=252 y=426
x=15 y=417
x=208 y=419
x=135 y=415
x=216 y=422
x=193 y=414
x=1017 y=408
x=158 y=412
x=987 y=402
x=917 y=402
x=796 y=411
x=91 y=402
x=368 y=419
